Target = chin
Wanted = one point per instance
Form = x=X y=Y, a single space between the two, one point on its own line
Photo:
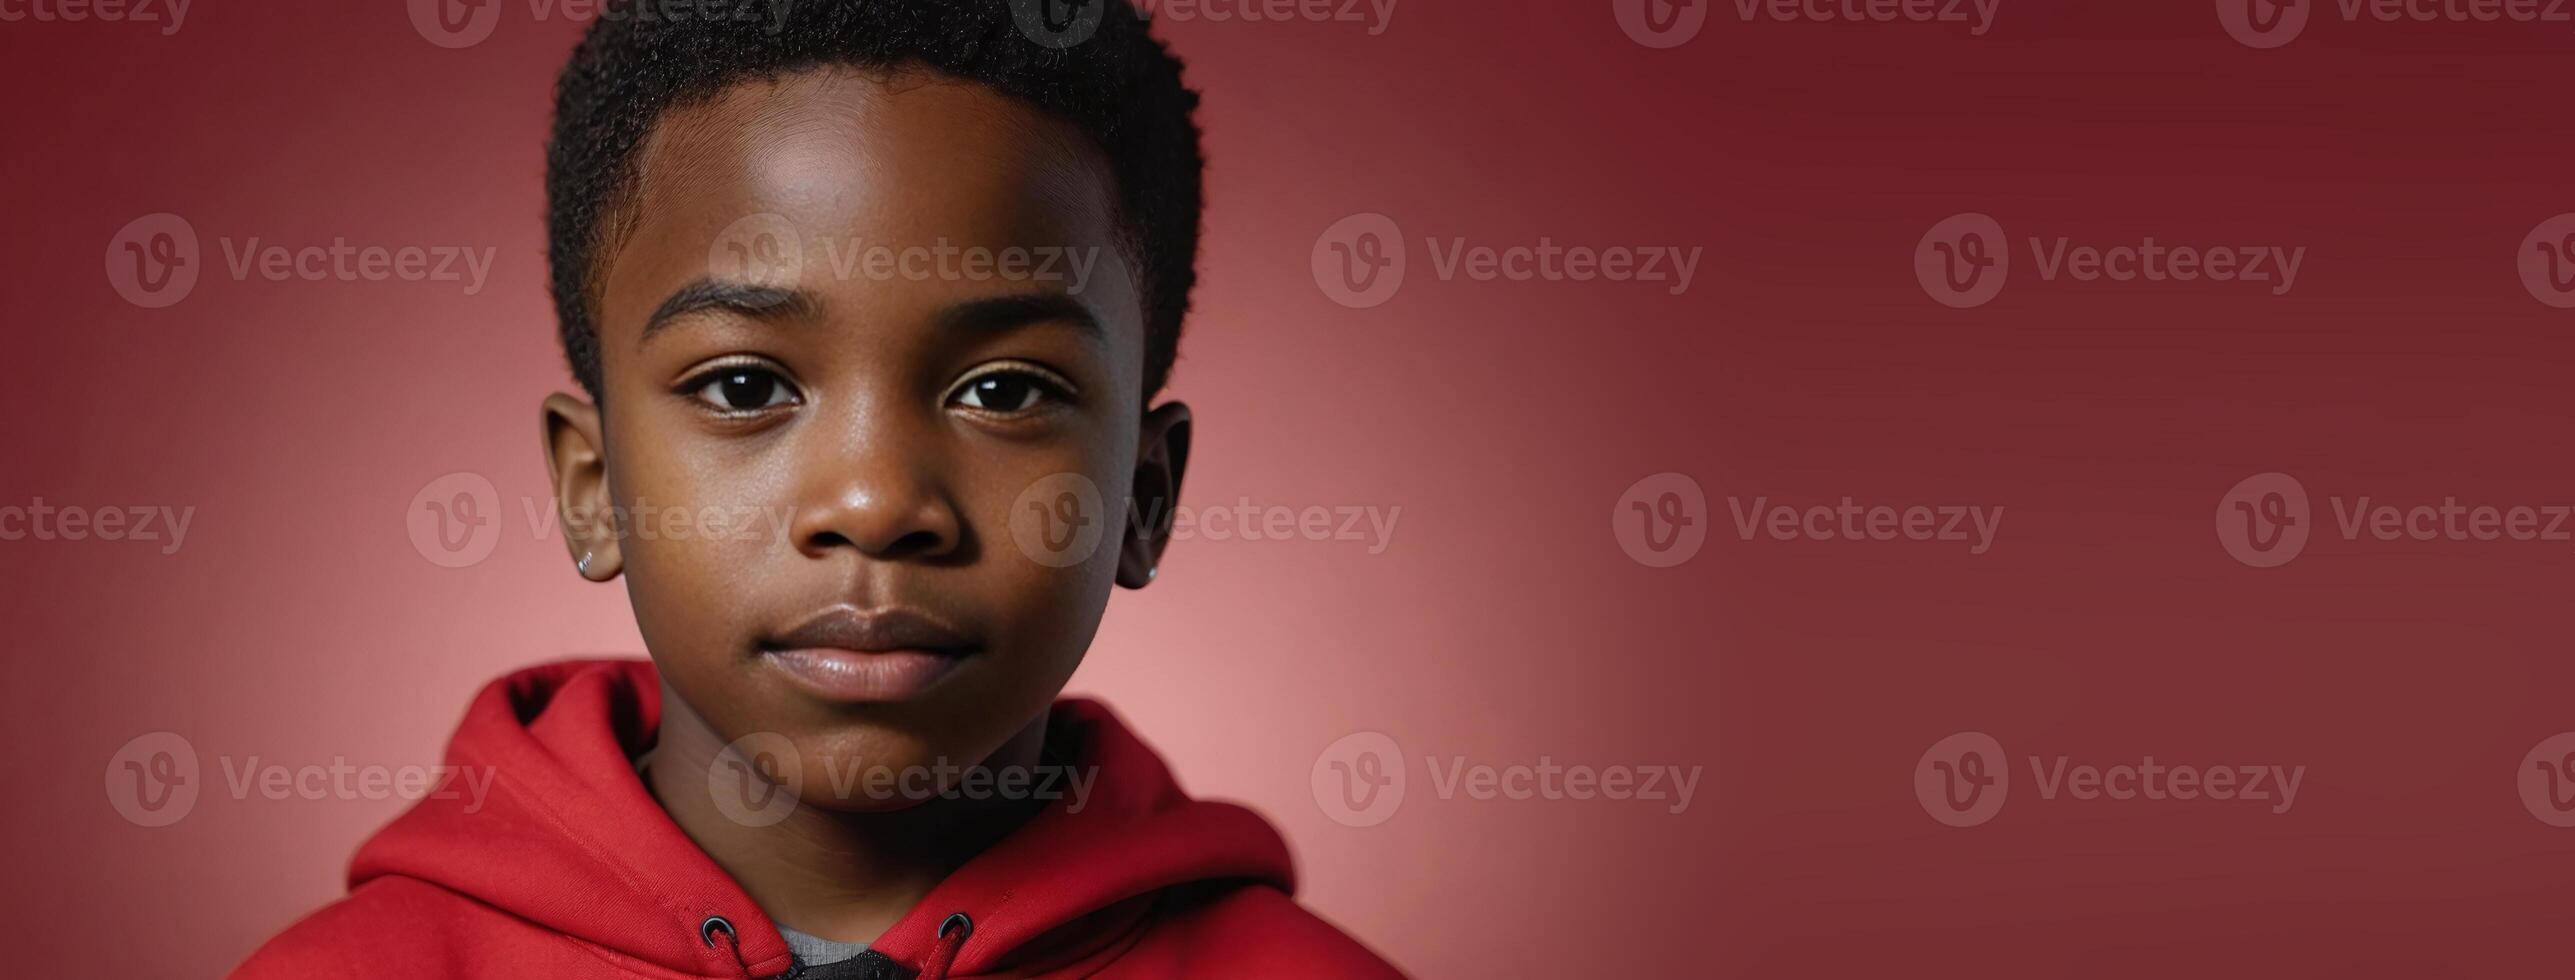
x=868 y=766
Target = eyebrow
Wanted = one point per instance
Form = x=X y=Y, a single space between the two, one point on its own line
x=741 y=298
x=992 y=314
x=995 y=314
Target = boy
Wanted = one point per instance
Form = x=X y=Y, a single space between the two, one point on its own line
x=801 y=266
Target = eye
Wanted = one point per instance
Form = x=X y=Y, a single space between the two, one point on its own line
x=1010 y=390
x=743 y=389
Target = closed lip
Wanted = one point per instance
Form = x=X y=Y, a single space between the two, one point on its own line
x=885 y=630
x=847 y=655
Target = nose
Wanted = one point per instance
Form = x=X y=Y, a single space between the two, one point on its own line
x=879 y=491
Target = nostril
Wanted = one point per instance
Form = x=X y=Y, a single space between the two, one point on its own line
x=923 y=542
x=915 y=543
x=879 y=525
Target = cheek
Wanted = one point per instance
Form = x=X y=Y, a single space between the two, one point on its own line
x=1055 y=611
x=692 y=535
x=1049 y=532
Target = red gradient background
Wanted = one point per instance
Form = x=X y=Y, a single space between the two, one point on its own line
x=1504 y=623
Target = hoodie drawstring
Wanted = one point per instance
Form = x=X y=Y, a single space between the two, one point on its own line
x=943 y=955
x=952 y=936
x=713 y=924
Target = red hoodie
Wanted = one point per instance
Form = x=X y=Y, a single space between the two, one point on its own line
x=569 y=870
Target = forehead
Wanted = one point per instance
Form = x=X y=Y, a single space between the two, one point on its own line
x=843 y=161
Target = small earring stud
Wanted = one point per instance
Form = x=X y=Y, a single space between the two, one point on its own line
x=584 y=564
x=1151 y=572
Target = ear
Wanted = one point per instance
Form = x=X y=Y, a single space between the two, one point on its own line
x=1162 y=454
x=577 y=457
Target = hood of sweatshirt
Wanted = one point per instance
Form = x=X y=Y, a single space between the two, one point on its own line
x=567 y=837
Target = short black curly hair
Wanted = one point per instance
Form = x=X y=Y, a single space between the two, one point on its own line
x=1104 y=73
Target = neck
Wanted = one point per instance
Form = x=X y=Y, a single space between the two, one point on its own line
x=843 y=876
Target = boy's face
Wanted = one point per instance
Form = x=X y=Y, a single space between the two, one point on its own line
x=869 y=322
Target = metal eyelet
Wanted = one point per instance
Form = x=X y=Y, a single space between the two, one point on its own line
x=958 y=921
x=715 y=923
